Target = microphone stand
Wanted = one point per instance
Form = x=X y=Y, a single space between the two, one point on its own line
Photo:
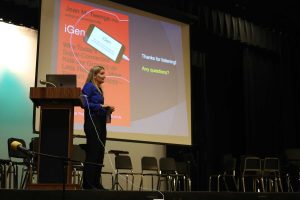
x=64 y=160
x=28 y=176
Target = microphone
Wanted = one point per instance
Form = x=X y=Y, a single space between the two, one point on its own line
x=46 y=82
x=17 y=146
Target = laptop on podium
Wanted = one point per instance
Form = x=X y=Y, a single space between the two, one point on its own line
x=61 y=80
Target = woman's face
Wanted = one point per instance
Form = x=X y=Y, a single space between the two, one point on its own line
x=99 y=77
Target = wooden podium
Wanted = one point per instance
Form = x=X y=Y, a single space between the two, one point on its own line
x=56 y=131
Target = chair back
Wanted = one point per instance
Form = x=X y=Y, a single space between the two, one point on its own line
x=149 y=163
x=167 y=165
x=123 y=162
x=34 y=144
x=251 y=165
x=229 y=164
x=271 y=164
x=182 y=168
x=78 y=154
x=293 y=156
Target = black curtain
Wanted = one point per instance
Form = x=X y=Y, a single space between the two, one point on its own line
x=245 y=93
x=262 y=105
x=244 y=101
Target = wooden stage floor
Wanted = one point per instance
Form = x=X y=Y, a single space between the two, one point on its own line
x=9 y=194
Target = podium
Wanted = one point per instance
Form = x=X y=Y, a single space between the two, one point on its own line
x=56 y=132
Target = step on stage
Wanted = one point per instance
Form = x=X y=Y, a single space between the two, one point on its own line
x=6 y=194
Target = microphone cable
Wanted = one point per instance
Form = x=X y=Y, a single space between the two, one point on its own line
x=110 y=161
x=97 y=133
x=47 y=82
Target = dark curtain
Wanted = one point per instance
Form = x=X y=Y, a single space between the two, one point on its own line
x=244 y=101
x=290 y=90
x=224 y=116
x=262 y=105
x=245 y=93
x=217 y=109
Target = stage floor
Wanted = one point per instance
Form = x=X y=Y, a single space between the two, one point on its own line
x=8 y=194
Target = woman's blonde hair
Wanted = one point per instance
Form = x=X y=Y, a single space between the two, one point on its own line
x=92 y=73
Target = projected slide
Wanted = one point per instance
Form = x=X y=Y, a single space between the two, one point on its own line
x=88 y=37
x=146 y=58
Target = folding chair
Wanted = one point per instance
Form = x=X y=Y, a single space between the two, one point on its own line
x=78 y=158
x=123 y=166
x=251 y=169
x=149 y=168
x=168 y=173
x=229 y=171
x=271 y=174
x=293 y=174
x=184 y=181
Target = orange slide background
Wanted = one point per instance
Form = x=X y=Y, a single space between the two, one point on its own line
x=77 y=57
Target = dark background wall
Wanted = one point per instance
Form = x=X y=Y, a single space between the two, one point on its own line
x=244 y=76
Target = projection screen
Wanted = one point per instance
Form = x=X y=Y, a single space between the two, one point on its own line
x=146 y=58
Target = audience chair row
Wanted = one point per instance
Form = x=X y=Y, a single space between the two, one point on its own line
x=255 y=174
x=174 y=175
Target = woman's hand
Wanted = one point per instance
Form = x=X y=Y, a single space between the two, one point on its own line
x=111 y=108
x=108 y=107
